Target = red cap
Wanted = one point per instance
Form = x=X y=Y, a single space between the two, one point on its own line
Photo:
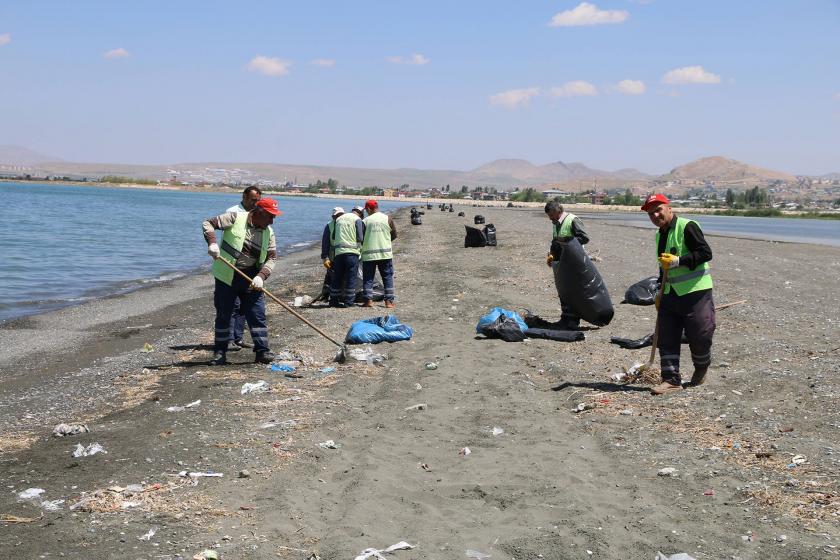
x=653 y=200
x=371 y=204
x=268 y=205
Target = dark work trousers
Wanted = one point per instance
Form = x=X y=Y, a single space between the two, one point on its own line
x=695 y=314
x=386 y=271
x=343 y=288
x=252 y=305
x=237 y=322
x=567 y=314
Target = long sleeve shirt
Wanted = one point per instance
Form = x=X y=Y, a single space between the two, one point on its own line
x=698 y=249
x=252 y=246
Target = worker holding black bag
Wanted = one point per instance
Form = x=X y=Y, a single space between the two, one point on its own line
x=565 y=227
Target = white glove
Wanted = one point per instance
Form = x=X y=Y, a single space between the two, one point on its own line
x=213 y=251
x=257 y=283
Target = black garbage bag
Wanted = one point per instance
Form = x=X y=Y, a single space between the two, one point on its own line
x=556 y=334
x=490 y=235
x=451 y=209
x=505 y=328
x=581 y=285
x=461 y=214
x=474 y=238
x=644 y=342
x=479 y=219
x=642 y=292
x=416 y=220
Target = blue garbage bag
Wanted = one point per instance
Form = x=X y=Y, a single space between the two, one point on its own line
x=487 y=320
x=378 y=329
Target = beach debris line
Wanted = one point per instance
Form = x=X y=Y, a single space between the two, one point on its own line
x=62 y=430
x=182 y=408
x=89 y=451
x=258 y=387
x=378 y=553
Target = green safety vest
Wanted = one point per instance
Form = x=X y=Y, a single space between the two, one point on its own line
x=231 y=248
x=563 y=230
x=377 y=243
x=682 y=279
x=331 y=227
x=344 y=235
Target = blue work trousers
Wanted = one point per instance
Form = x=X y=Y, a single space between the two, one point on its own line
x=252 y=306
x=343 y=287
x=237 y=322
x=386 y=271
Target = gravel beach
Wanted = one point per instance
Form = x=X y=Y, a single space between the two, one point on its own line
x=755 y=451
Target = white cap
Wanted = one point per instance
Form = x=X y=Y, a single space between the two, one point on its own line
x=359 y=209
x=338 y=210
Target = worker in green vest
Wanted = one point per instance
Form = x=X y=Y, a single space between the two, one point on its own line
x=565 y=227
x=328 y=253
x=347 y=235
x=248 y=243
x=686 y=304
x=377 y=253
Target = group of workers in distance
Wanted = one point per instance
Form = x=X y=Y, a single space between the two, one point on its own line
x=686 y=304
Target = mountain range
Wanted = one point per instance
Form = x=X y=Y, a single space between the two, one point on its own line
x=500 y=173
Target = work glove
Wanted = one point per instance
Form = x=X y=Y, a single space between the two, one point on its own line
x=213 y=251
x=327 y=264
x=257 y=283
x=669 y=261
x=549 y=258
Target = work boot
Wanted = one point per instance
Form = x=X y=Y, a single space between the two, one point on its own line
x=698 y=377
x=239 y=344
x=390 y=304
x=368 y=303
x=219 y=358
x=264 y=357
x=665 y=388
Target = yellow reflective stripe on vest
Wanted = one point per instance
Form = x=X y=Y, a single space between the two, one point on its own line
x=377 y=243
x=681 y=279
x=344 y=235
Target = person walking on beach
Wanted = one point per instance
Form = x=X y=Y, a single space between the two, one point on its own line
x=566 y=226
x=328 y=251
x=248 y=243
x=686 y=303
x=377 y=253
x=250 y=197
x=346 y=237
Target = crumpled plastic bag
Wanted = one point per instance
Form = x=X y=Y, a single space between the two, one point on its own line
x=378 y=329
x=487 y=321
x=372 y=552
x=642 y=292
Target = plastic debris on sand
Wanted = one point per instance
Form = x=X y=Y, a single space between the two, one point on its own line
x=478 y=555
x=90 y=450
x=374 y=553
x=366 y=354
x=497 y=431
x=464 y=451
x=282 y=367
x=148 y=536
x=181 y=408
x=147 y=348
x=680 y=556
x=329 y=444
x=70 y=430
x=258 y=387
x=431 y=365
x=53 y=505
x=30 y=493
x=667 y=471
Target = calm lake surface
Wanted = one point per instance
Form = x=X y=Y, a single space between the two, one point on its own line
x=69 y=244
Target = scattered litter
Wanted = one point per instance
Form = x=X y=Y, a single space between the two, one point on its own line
x=300 y=301
x=582 y=407
x=418 y=406
x=476 y=554
x=431 y=365
x=54 y=505
x=372 y=552
x=181 y=408
x=147 y=348
x=210 y=474
x=709 y=493
x=680 y=556
x=418 y=386
x=497 y=431
x=258 y=387
x=148 y=536
x=781 y=538
x=244 y=473
x=366 y=354
x=329 y=444
x=30 y=493
x=667 y=471
x=749 y=537
x=8 y=518
x=797 y=460
x=207 y=555
x=464 y=451
x=90 y=450
x=282 y=367
x=620 y=376
x=70 y=430
x=285 y=356
x=627 y=412
x=739 y=393
x=426 y=467
x=327 y=369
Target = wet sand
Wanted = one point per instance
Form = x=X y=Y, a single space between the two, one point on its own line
x=555 y=484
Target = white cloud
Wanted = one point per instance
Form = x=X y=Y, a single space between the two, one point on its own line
x=574 y=89
x=269 y=66
x=325 y=62
x=630 y=87
x=587 y=14
x=514 y=97
x=116 y=53
x=416 y=59
x=690 y=75
x=5 y=39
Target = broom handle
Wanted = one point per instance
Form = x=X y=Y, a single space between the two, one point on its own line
x=283 y=304
x=656 y=327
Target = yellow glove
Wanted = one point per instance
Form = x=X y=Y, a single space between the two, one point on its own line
x=668 y=261
x=549 y=258
x=327 y=264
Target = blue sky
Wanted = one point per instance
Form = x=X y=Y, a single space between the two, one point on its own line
x=649 y=84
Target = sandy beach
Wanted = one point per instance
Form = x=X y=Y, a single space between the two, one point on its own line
x=755 y=451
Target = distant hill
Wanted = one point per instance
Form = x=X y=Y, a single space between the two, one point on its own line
x=521 y=171
x=18 y=155
x=724 y=170
x=831 y=176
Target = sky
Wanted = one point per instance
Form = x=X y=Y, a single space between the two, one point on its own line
x=647 y=84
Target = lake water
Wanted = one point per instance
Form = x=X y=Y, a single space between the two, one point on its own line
x=65 y=245
x=818 y=232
